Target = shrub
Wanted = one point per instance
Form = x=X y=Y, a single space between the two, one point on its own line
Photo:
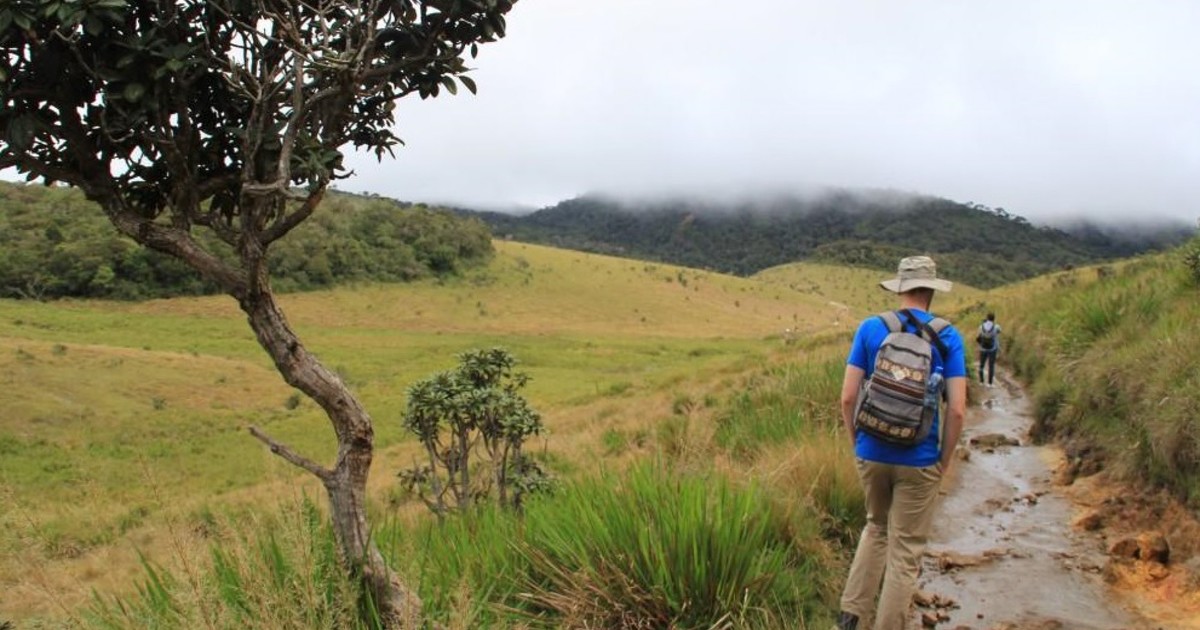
x=614 y=441
x=468 y=414
x=1191 y=260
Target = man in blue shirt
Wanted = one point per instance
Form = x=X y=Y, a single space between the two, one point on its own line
x=901 y=482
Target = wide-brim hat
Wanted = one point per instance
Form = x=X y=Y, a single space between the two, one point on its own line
x=916 y=272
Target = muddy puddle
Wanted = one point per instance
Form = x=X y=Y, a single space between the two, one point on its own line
x=1003 y=553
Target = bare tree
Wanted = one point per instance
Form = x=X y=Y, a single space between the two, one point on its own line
x=231 y=116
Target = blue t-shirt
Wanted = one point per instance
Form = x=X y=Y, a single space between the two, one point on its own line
x=866 y=344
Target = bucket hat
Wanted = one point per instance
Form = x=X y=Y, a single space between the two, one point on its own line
x=916 y=272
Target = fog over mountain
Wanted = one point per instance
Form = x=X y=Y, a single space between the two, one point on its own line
x=1055 y=111
x=976 y=244
x=1051 y=110
x=1147 y=226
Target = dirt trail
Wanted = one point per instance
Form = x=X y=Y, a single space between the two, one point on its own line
x=1003 y=548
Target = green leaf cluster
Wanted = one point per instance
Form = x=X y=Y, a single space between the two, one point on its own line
x=473 y=412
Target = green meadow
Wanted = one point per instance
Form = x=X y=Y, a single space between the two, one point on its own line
x=125 y=430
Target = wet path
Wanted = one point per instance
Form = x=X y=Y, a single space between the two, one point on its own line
x=1002 y=548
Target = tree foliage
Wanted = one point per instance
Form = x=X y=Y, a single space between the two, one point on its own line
x=471 y=413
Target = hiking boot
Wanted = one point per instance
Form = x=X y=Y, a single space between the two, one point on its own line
x=847 y=621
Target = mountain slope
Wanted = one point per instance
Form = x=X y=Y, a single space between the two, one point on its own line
x=973 y=244
x=854 y=288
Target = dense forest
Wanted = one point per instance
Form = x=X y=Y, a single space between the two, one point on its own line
x=54 y=243
x=974 y=244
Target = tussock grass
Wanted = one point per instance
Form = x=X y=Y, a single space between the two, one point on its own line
x=265 y=571
x=783 y=403
x=651 y=547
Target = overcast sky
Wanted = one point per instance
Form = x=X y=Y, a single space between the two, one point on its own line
x=1045 y=108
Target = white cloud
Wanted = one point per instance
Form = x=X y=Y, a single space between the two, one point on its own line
x=1045 y=108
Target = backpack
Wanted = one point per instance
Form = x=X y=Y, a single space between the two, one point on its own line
x=987 y=336
x=898 y=402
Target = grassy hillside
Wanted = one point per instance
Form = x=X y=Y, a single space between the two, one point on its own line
x=857 y=289
x=125 y=423
x=1111 y=354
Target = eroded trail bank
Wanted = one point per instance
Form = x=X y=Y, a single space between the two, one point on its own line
x=1003 y=552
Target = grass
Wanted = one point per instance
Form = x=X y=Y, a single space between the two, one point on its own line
x=671 y=541
x=1111 y=355
x=262 y=572
x=124 y=417
x=853 y=292
x=782 y=403
x=690 y=415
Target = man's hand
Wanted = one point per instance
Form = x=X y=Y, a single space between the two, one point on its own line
x=851 y=383
x=956 y=411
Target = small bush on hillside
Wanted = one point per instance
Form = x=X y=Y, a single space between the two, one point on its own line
x=683 y=405
x=1191 y=260
x=614 y=441
x=473 y=424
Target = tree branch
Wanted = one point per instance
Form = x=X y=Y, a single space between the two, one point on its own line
x=286 y=222
x=176 y=242
x=291 y=456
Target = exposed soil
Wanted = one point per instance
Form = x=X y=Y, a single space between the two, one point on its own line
x=1020 y=542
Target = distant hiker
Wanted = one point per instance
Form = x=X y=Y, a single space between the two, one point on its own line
x=988 y=341
x=900 y=365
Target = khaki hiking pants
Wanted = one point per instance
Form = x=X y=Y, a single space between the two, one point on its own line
x=900 y=503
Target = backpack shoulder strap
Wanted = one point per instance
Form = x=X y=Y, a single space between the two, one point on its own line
x=935 y=327
x=892 y=321
x=930 y=331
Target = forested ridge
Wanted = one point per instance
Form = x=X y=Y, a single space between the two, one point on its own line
x=981 y=246
x=54 y=243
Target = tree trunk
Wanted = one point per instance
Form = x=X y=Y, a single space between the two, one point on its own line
x=346 y=483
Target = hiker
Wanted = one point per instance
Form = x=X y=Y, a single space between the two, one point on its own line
x=900 y=468
x=988 y=341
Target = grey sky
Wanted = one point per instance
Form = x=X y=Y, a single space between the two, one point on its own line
x=1046 y=108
